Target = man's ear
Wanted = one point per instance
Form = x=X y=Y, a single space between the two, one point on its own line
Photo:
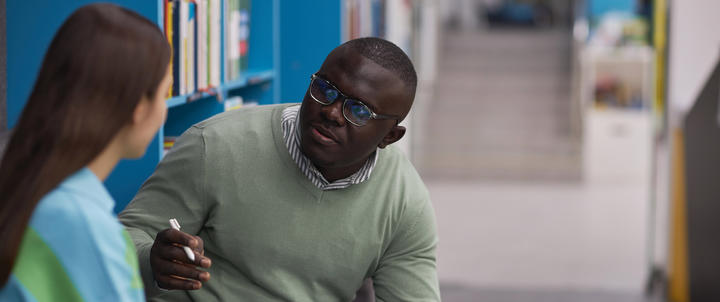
x=395 y=134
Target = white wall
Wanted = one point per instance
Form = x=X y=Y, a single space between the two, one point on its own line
x=694 y=48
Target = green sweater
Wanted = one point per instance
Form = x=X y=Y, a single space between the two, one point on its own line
x=271 y=234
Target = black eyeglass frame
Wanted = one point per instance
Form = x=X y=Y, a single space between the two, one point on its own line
x=373 y=115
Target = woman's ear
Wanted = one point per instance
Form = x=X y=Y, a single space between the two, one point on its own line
x=395 y=134
x=142 y=111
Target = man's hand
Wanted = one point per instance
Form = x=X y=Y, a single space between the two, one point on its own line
x=366 y=293
x=171 y=267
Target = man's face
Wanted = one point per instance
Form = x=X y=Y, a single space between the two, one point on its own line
x=327 y=138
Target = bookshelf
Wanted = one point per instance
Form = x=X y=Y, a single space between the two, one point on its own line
x=413 y=26
x=288 y=40
x=257 y=83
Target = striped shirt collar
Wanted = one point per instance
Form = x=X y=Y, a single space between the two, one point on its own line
x=291 y=134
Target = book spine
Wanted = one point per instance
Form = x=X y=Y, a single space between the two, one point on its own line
x=202 y=44
x=233 y=53
x=167 y=15
x=215 y=38
x=183 y=47
x=191 y=48
x=196 y=47
x=175 y=17
x=244 y=35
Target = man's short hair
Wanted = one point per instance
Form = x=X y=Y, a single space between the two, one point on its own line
x=389 y=56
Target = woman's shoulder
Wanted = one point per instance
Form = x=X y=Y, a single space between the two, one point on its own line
x=77 y=215
x=61 y=207
x=85 y=239
x=71 y=207
x=67 y=216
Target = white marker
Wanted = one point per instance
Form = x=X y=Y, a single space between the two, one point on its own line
x=176 y=226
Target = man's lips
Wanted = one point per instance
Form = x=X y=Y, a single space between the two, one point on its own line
x=323 y=135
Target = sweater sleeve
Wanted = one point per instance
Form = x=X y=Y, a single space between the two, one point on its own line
x=407 y=270
x=175 y=190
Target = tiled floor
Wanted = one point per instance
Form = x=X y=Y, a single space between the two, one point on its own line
x=550 y=236
x=463 y=294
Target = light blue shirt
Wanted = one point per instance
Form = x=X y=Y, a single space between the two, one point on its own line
x=74 y=249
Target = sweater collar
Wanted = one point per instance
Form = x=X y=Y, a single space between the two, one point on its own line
x=291 y=136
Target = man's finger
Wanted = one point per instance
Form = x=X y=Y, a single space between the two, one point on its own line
x=175 y=253
x=202 y=261
x=200 y=247
x=166 y=268
x=168 y=282
x=171 y=236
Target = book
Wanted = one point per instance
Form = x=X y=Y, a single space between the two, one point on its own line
x=366 y=18
x=168 y=10
x=174 y=7
x=353 y=15
x=183 y=46
x=202 y=45
x=215 y=50
x=244 y=35
x=233 y=103
x=237 y=32
x=168 y=143
x=378 y=18
x=231 y=26
x=193 y=29
x=190 y=54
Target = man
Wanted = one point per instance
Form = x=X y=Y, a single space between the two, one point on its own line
x=295 y=202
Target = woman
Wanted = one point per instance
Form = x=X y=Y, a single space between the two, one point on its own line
x=98 y=98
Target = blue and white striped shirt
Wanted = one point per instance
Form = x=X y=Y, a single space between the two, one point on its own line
x=291 y=134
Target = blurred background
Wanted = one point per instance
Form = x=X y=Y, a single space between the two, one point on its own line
x=571 y=147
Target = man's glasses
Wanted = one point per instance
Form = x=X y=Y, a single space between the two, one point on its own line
x=354 y=111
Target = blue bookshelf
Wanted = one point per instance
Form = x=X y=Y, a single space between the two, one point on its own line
x=31 y=25
x=309 y=33
x=188 y=109
x=288 y=42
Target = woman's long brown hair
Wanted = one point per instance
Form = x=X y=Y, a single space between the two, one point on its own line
x=99 y=65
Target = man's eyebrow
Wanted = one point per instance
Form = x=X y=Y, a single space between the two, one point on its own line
x=364 y=101
x=371 y=105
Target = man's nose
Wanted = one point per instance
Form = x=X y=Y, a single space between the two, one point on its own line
x=333 y=112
